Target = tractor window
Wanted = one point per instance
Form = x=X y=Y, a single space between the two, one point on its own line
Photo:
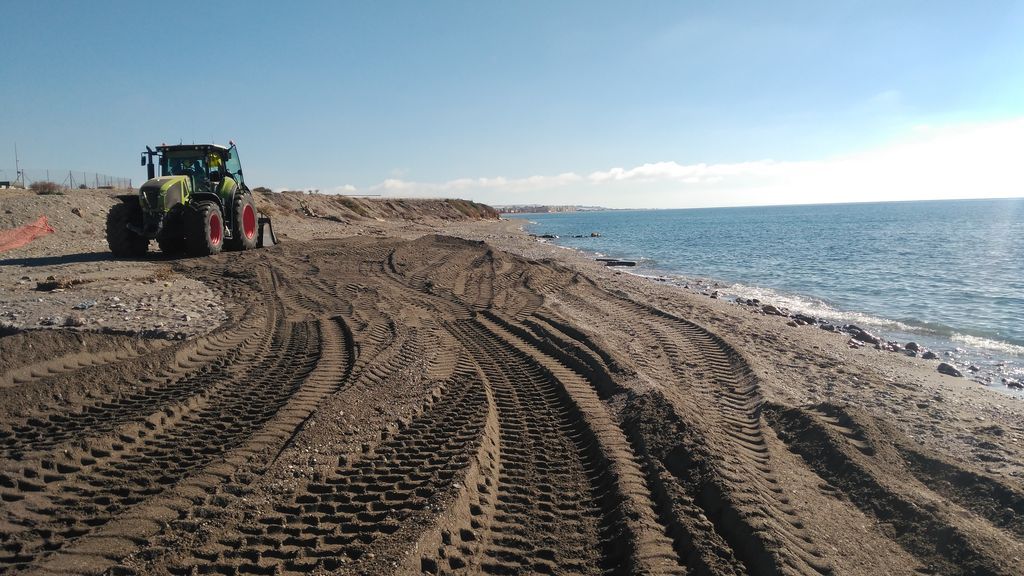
x=182 y=165
x=186 y=163
x=233 y=165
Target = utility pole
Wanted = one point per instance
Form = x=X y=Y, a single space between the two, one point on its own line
x=17 y=168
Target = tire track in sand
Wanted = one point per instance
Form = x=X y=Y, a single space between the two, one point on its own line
x=551 y=503
x=135 y=469
x=646 y=421
x=940 y=544
x=183 y=379
x=207 y=496
x=545 y=517
x=715 y=399
x=728 y=388
x=998 y=503
x=73 y=362
x=364 y=516
x=185 y=376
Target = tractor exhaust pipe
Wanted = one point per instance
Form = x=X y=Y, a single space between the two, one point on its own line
x=147 y=161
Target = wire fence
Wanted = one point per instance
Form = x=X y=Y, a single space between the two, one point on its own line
x=65 y=179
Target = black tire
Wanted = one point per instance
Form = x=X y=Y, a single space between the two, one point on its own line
x=123 y=242
x=172 y=246
x=204 y=229
x=245 y=223
x=172 y=237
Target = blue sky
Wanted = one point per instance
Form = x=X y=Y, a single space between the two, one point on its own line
x=659 y=104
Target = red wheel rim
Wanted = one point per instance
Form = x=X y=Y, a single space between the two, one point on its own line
x=216 y=229
x=248 y=221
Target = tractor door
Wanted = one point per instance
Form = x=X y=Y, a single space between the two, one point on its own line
x=234 y=167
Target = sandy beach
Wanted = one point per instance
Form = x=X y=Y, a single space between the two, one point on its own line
x=422 y=392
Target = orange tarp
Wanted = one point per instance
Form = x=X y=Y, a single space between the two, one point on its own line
x=18 y=237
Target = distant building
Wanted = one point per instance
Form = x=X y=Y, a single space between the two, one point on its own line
x=543 y=209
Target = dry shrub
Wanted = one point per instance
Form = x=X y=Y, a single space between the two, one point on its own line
x=44 y=187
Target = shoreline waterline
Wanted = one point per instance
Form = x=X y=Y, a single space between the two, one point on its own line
x=981 y=357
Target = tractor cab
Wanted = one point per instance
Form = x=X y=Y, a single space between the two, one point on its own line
x=208 y=166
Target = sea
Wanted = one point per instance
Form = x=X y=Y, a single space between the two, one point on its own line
x=946 y=274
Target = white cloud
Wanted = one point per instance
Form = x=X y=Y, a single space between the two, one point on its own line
x=692 y=173
x=961 y=161
x=461 y=185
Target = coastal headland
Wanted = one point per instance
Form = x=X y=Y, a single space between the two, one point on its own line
x=418 y=387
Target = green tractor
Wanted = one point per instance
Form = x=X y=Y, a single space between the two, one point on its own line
x=198 y=205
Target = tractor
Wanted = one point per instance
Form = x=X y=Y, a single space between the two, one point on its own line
x=198 y=205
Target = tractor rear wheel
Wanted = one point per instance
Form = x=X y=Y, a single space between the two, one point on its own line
x=123 y=242
x=204 y=229
x=244 y=228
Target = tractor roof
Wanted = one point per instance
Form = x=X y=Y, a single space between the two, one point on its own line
x=193 y=147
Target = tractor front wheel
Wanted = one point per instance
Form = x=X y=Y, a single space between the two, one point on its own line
x=123 y=242
x=172 y=246
x=244 y=229
x=172 y=240
x=204 y=230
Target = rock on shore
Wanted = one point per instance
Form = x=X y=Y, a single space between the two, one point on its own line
x=949 y=370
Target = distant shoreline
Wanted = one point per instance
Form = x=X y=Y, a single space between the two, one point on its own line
x=745 y=206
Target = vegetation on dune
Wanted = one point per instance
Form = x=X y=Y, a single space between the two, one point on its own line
x=353 y=205
x=473 y=209
x=45 y=187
